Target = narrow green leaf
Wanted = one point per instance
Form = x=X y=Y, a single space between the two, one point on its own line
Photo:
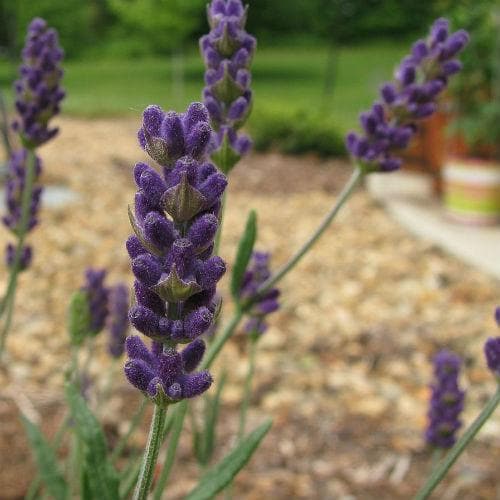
x=102 y=478
x=78 y=318
x=46 y=461
x=244 y=253
x=219 y=476
x=212 y=415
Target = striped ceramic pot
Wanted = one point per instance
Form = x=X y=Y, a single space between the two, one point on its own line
x=471 y=189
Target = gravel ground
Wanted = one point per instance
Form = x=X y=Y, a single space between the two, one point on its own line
x=344 y=368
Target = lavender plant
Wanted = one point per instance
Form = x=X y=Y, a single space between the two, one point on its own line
x=227 y=52
x=420 y=78
x=492 y=356
x=175 y=219
x=38 y=98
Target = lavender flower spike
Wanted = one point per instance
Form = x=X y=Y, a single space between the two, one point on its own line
x=492 y=349
x=227 y=51
x=446 y=402
x=97 y=296
x=16 y=181
x=256 y=274
x=38 y=91
x=117 y=321
x=420 y=79
x=175 y=219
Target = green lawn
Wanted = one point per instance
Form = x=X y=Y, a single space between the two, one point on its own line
x=283 y=79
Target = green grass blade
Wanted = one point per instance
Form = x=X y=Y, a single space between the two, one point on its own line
x=244 y=253
x=46 y=461
x=212 y=415
x=102 y=478
x=219 y=476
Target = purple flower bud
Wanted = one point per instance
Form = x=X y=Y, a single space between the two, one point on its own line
x=152 y=118
x=159 y=230
x=198 y=139
x=144 y=320
x=451 y=67
x=138 y=373
x=192 y=355
x=147 y=269
x=197 y=322
x=134 y=246
x=211 y=271
x=202 y=231
x=492 y=354
x=213 y=187
x=147 y=298
x=152 y=185
x=195 y=384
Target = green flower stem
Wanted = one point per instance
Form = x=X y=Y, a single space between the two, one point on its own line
x=150 y=454
x=220 y=340
x=4 y=127
x=134 y=422
x=445 y=465
x=218 y=235
x=8 y=301
x=247 y=391
x=180 y=413
x=346 y=193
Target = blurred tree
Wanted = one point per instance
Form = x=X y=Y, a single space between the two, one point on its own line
x=476 y=90
x=163 y=25
x=71 y=18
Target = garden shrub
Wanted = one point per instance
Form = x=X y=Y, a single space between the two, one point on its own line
x=297 y=133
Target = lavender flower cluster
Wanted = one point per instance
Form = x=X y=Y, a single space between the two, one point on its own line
x=227 y=51
x=175 y=221
x=419 y=79
x=38 y=91
x=16 y=182
x=447 y=401
x=107 y=307
x=38 y=97
x=256 y=274
x=492 y=349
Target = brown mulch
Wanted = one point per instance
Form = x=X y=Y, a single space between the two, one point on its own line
x=344 y=367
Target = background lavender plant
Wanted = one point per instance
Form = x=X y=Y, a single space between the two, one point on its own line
x=227 y=52
x=257 y=274
x=117 y=321
x=447 y=401
x=97 y=297
x=38 y=90
x=16 y=182
x=420 y=78
x=38 y=96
